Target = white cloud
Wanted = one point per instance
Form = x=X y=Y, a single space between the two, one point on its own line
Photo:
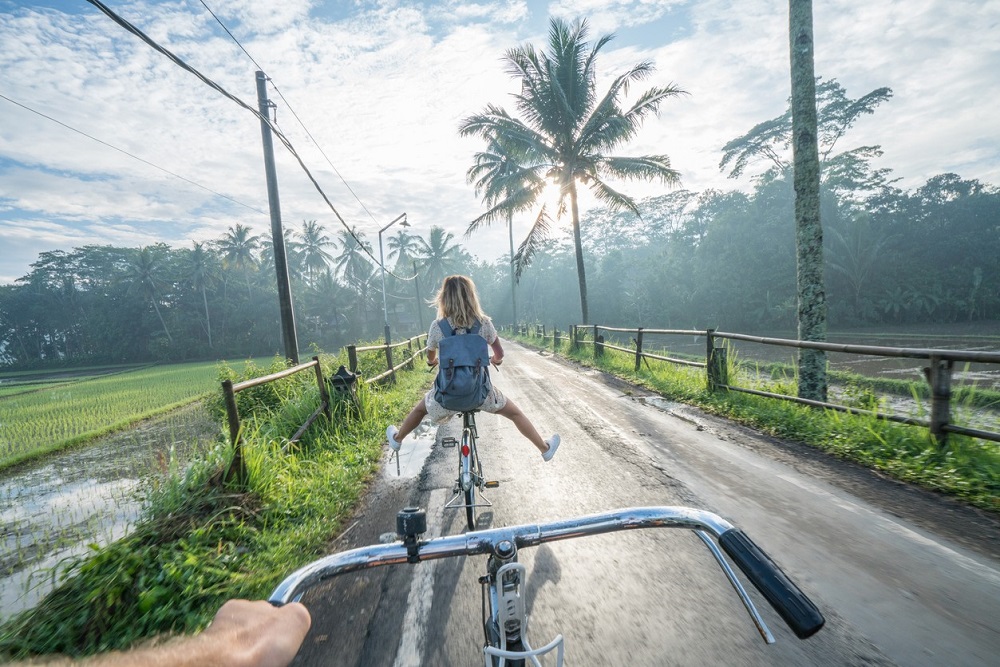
x=382 y=87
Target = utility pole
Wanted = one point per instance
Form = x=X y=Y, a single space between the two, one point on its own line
x=277 y=238
x=420 y=312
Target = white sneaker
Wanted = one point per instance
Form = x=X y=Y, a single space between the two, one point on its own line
x=553 y=444
x=390 y=434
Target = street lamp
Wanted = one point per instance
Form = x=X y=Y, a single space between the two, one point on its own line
x=381 y=260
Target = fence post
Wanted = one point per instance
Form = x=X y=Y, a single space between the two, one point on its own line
x=352 y=358
x=555 y=339
x=388 y=361
x=938 y=375
x=716 y=362
x=638 y=349
x=572 y=337
x=409 y=353
x=597 y=344
x=324 y=395
x=237 y=470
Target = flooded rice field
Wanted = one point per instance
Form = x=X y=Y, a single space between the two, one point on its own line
x=52 y=509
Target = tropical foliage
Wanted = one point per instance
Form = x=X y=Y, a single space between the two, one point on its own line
x=216 y=299
x=564 y=138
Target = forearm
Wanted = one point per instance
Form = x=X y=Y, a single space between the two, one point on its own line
x=242 y=634
x=497 y=351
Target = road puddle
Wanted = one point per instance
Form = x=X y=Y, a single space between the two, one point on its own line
x=413 y=454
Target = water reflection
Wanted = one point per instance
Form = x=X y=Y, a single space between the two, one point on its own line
x=54 y=509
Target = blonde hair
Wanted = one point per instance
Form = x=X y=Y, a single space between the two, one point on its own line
x=458 y=301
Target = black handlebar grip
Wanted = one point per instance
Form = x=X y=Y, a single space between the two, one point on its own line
x=792 y=605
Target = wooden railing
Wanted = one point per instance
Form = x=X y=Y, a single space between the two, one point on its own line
x=413 y=349
x=938 y=373
x=237 y=470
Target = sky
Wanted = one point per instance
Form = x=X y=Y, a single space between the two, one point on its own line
x=371 y=94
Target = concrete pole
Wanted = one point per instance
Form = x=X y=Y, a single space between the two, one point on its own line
x=277 y=238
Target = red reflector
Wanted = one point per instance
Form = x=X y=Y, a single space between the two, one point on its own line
x=465 y=450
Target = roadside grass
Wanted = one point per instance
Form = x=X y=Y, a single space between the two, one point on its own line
x=50 y=418
x=200 y=543
x=967 y=468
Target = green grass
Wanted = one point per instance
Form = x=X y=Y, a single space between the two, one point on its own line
x=967 y=468
x=201 y=543
x=50 y=418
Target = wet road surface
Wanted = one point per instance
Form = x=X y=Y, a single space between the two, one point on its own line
x=894 y=588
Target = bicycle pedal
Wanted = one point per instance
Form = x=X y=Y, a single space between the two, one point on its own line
x=492 y=484
x=449 y=442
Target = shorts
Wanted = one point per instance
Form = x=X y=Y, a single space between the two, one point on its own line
x=495 y=402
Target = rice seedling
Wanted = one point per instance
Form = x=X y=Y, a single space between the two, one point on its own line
x=39 y=422
x=198 y=542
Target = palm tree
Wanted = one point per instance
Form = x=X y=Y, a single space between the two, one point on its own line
x=315 y=257
x=440 y=257
x=498 y=178
x=145 y=276
x=237 y=247
x=198 y=266
x=808 y=229
x=403 y=246
x=566 y=135
x=352 y=262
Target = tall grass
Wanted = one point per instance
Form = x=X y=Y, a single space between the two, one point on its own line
x=967 y=468
x=200 y=543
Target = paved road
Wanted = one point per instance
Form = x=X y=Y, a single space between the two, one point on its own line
x=892 y=589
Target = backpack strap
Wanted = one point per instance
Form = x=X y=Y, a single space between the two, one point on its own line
x=447 y=329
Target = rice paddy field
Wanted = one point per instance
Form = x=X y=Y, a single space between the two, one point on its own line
x=42 y=413
x=136 y=422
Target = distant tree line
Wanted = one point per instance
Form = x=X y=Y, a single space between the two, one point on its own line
x=217 y=299
x=727 y=259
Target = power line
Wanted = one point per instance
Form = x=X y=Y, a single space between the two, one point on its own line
x=211 y=84
x=292 y=110
x=125 y=152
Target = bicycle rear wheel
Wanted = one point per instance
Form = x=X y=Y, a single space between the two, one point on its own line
x=470 y=493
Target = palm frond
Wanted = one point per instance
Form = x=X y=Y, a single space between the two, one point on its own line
x=536 y=236
x=614 y=200
x=644 y=167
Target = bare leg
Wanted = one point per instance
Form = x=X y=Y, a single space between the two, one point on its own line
x=524 y=425
x=412 y=420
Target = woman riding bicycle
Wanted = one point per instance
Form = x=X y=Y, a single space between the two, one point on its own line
x=458 y=302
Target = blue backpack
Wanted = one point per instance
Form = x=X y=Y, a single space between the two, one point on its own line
x=463 y=379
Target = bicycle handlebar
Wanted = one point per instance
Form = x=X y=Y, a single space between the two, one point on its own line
x=792 y=605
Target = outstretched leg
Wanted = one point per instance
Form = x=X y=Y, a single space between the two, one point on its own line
x=412 y=420
x=524 y=425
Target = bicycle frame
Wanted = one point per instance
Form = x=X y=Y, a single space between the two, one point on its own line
x=470 y=472
x=501 y=545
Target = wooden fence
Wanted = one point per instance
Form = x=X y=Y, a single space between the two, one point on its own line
x=938 y=373
x=413 y=350
x=237 y=471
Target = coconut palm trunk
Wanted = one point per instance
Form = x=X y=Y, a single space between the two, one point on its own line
x=513 y=278
x=578 y=246
x=808 y=227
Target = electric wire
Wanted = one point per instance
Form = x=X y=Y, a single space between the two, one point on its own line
x=125 y=152
x=297 y=118
x=292 y=111
x=264 y=119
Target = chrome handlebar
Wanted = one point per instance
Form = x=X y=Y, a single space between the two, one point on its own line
x=793 y=606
